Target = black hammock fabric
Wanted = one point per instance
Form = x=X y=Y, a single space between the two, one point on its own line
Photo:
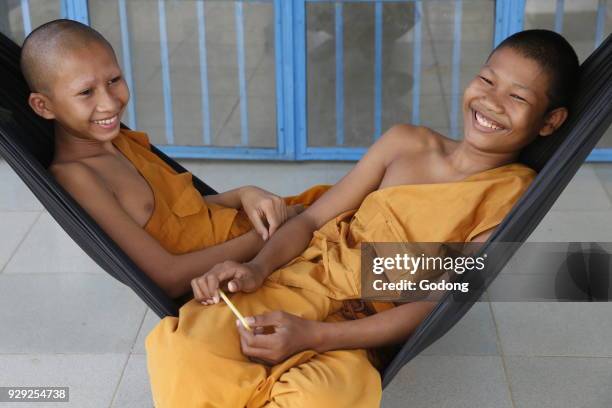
x=26 y=143
x=556 y=158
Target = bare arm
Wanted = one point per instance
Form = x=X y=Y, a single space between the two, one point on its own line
x=261 y=206
x=382 y=329
x=173 y=273
x=347 y=194
x=293 y=334
x=230 y=198
x=388 y=327
x=294 y=236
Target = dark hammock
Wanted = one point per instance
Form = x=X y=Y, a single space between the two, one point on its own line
x=26 y=143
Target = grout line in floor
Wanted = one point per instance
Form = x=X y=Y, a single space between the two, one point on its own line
x=144 y=317
x=8 y=261
x=502 y=356
x=600 y=179
x=112 y=401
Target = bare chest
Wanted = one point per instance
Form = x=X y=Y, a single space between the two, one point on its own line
x=427 y=169
x=129 y=187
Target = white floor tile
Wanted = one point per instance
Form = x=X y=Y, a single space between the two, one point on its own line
x=48 y=249
x=474 y=334
x=67 y=313
x=560 y=382
x=13 y=228
x=554 y=329
x=584 y=193
x=574 y=226
x=14 y=194
x=92 y=378
x=134 y=390
x=449 y=382
x=149 y=322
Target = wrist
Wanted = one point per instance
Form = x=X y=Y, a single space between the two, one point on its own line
x=244 y=190
x=259 y=270
x=240 y=193
x=321 y=335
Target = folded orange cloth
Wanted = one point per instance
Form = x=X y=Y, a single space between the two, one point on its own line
x=195 y=359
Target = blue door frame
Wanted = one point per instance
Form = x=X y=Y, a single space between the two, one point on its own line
x=290 y=66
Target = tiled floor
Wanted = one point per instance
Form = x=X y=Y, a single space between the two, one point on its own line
x=66 y=323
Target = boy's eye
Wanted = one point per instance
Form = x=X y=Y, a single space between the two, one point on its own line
x=515 y=96
x=115 y=79
x=488 y=81
x=85 y=92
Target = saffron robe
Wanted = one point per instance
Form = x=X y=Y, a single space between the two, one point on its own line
x=182 y=220
x=194 y=360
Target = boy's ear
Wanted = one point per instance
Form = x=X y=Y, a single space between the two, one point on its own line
x=41 y=105
x=553 y=120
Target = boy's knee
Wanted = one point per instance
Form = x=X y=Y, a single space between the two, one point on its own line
x=336 y=379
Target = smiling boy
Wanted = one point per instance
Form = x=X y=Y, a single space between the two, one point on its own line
x=413 y=185
x=154 y=214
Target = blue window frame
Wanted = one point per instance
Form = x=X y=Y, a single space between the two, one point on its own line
x=291 y=65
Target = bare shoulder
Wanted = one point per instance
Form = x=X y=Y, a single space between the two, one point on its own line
x=70 y=171
x=409 y=139
x=78 y=178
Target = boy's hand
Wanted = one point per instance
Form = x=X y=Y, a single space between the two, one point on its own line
x=261 y=205
x=238 y=278
x=291 y=334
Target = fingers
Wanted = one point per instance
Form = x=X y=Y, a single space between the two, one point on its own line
x=275 y=319
x=258 y=345
x=243 y=280
x=274 y=216
x=240 y=284
x=234 y=285
x=258 y=224
x=206 y=287
x=197 y=292
x=265 y=207
x=248 y=350
x=198 y=285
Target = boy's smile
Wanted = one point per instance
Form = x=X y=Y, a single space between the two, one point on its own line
x=487 y=124
x=88 y=95
x=505 y=104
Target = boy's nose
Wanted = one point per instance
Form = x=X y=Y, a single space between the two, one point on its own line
x=491 y=102
x=108 y=102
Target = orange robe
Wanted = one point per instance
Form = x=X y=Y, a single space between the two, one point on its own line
x=194 y=360
x=182 y=220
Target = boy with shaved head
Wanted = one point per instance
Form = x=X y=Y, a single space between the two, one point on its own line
x=308 y=330
x=155 y=215
x=307 y=346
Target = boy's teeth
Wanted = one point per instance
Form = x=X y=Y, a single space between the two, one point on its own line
x=485 y=122
x=105 y=121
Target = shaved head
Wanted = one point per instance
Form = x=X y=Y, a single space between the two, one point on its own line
x=44 y=47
